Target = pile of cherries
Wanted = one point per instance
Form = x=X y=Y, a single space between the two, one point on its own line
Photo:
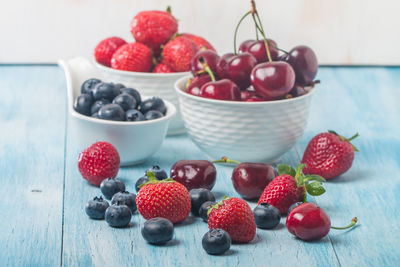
x=257 y=72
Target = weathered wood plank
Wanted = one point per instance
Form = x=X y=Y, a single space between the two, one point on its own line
x=32 y=120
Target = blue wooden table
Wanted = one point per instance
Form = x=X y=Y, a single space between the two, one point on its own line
x=42 y=218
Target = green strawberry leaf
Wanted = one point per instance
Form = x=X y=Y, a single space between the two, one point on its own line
x=286 y=169
x=150 y=175
x=315 y=188
x=314 y=177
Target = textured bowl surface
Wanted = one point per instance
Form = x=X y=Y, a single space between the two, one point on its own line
x=151 y=84
x=243 y=131
x=135 y=141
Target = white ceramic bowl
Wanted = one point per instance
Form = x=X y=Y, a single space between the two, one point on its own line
x=154 y=84
x=243 y=131
x=135 y=141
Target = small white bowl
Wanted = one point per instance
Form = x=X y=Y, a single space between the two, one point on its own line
x=154 y=84
x=243 y=131
x=135 y=141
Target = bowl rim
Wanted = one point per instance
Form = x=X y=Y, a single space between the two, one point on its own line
x=139 y=74
x=237 y=103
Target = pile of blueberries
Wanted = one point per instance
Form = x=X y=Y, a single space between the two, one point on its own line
x=109 y=101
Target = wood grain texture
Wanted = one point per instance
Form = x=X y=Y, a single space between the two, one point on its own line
x=32 y=120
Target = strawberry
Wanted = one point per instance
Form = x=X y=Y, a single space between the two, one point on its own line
x=163 y=198
x=162 y=68
x=179 y=52
x=132 y=57
x=106 y=48
x=153 y=28
x=199 y=41
x=98 y=162
x=329 y=155
x=234 y=216
x=290 y=187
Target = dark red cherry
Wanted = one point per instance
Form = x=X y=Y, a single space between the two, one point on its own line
x=246 y=94
x=304 y=62
x=297 y=90
x=257 y=49
x=196 y=83
x=236 y=68
x=250 y=179
x=194 y=173
x=272 y=80
x=255 y=99
x=223 y=90
x=210 y=57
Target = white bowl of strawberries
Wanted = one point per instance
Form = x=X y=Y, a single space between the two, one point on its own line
x=158 y=57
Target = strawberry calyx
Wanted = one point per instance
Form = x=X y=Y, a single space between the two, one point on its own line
x=216 y=206
x=152 y=180
x=311 y=183
x=226 y=160
x=348 y=140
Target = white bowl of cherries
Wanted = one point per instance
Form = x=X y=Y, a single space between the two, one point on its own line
x=252 y=105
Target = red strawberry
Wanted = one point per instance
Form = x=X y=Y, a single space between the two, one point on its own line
x=132 y=57
x=329 y=155
x=98 y=162
x=179 y=52
x=106 y=48
x=162 y=68
x=165 y=198
x=199 y=41
x=153 y=28
x=290 y=187
x=234 y=216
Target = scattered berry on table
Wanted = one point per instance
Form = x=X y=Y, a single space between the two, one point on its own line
x=96 y=208
x=153 y=114
x=126 y=198
x=140 y=181
x=109 y=187
x=126 y=101
x=83 y=104
x=159 y=173
x=198 y=196
x=204 y=209
x=134 y=115
x=98 y=104
x=98 y=162
x=88 y=85
x=216 y=241
x=118 y=215
x=266 y=216
x=158 y=231
x=112 y=112
x=132 y=57
x=154 y=103
x=106 y=48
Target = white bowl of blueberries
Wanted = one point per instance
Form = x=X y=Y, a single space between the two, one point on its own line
x=103 y=111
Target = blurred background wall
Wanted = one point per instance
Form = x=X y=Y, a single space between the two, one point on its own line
x=340 y=31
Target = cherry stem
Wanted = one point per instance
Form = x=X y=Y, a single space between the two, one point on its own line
x=207 y=69
x=255 y=24
x=226 y=160
x=353 y=222
x=236 y=31
x=260 y=28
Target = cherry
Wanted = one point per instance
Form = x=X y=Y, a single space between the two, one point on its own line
x=296 y=91
x=272 y=80
x=255 y=99
x=246 y=94
x=236 y=68
x=309 y=222
x=210 y=57
x=304 y=62
x=196 y=83
x=194 y=173
x=223 y=90
x=257 y=49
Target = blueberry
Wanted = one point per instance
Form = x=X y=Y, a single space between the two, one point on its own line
x=159 y=173
x=216 y=241
x=111 y=112
x=204 y=209
x=154 y=103
x=266 y=216
x=158 y=231
x=96 y=208
x=98 y=104
x=140 y=181
x=133 y=92
x=153 y=114
x=198 y=196
x=126 y=101
x=95 y=115
x=125 y=198
x=105 y=90
x=118 y=215
x=109 y=187
x=118 y=86
x=83 y=103
x=294 y=206
x=134 y=115
x=88 y=85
